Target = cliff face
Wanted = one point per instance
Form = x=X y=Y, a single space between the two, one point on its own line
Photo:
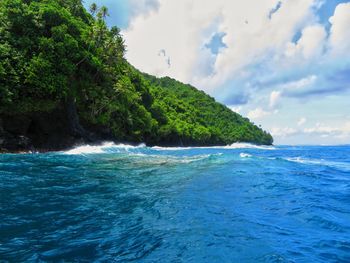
x=38 y=131
x=64 y=80
x=55 y=130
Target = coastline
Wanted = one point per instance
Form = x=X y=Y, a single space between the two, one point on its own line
x=80 y=143
x=58 y=131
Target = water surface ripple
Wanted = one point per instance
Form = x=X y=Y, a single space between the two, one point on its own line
x=117 y=203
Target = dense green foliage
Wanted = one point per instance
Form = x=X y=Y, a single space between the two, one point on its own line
x=196 y=117
x=52 y=51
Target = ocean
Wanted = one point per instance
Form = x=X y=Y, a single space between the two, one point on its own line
x=121 y=203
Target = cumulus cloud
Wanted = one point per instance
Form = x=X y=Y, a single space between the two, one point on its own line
x=298 y=87
x=326 y=83
x=274 y=98
x=301 y=121
x=177 y=27
x=340 y=33
x=326 y=130
x=283 y=132
x=310 y=44
x=315 y=132
x=214 y=43
x=300 y=84
x=316 y=62
x=258 y=113
x=248 y=34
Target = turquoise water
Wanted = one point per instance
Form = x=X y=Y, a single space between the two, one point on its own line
x=117 y=203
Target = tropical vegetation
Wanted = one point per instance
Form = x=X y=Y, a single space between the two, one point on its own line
x=55 y=53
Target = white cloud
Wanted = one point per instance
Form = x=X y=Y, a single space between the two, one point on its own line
x=340 y=33
x=237 y=109
x=251 y=35
x=274 y=98
x=183 y=27
x=295 y=88
x=283 y=132
x=310 y=44
x=300 y=86
x=258 y=113
x=326 y=130
x=301 y=121
x=177 y=27
x=257 y=46
x=317 y=133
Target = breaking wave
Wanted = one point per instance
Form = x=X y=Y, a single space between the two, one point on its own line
x=231 y=146
x=106 y=147
x=111 y=147
x=138 y=203
x=248 y=146
x=139 y=154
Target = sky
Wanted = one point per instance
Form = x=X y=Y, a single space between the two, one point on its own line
x=284 y=64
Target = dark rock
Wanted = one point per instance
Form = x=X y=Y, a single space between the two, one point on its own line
x=48 y=131
x=1 y=128
x=15 y=124
x=14 y=143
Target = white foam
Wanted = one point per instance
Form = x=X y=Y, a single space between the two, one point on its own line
x=103 y=148
x=160 y=148
x=337 y=165
x=245 y=155
x=110 y=147
x=232 y=146
x=248 y=146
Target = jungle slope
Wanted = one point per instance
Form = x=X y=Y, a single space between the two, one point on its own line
x=64 y=80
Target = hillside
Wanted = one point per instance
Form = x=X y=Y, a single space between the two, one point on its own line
x=197 y=118
x=64 y=80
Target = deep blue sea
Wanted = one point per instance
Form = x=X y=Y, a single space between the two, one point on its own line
x=118 y=203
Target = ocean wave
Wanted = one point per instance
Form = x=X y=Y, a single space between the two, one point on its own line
x=167 y=159
x=111 y=147
x=337 y=165
x=141 y=160
x=302 y=160
x=248 y=146
x=231 y=146
x=106 y=147
x=139 y=154
x=195 y=158
x=245 y=155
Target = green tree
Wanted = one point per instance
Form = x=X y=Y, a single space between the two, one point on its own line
x=93 y=8
x=54 y=53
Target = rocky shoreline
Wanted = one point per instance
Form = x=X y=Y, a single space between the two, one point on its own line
x=44 y=132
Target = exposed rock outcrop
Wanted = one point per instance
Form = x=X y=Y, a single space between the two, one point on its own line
x=56 y=130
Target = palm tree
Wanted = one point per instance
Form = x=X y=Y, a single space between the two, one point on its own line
x=93 y=8
x=104 y=12
x=115 y=31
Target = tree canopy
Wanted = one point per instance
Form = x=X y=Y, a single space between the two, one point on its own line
x=52 y=51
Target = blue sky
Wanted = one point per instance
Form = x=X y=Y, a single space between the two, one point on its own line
x=283 y=63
